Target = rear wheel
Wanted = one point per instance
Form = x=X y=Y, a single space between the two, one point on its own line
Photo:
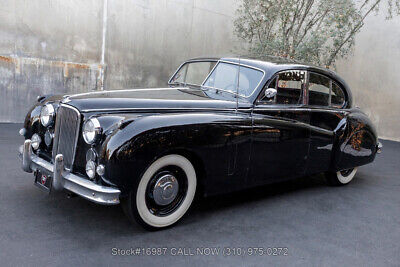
x=341 y=177
x=164 y=193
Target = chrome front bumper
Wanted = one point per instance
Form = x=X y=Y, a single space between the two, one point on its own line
x=62 y=179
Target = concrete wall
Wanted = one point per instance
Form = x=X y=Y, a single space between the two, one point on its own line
x=373 y=73
x=148 y=39
x=47 y=47
x=55 y=46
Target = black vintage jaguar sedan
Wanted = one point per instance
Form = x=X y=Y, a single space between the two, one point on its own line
x=224 y=124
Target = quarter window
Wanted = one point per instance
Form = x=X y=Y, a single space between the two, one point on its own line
x=337 y=98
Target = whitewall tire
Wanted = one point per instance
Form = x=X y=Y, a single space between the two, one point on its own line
x=342 y=177
x=164 y=193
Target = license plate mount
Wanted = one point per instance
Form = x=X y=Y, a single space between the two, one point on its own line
x=43 y=181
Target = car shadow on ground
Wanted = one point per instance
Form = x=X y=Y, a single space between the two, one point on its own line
x=111 y=221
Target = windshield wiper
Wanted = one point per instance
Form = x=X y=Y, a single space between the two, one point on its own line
x=218 y=91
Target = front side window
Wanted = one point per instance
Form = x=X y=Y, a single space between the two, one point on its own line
x=225 y=76
x=289 y=86
x=193 y=73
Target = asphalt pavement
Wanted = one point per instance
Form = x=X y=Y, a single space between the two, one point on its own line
x=314 y=224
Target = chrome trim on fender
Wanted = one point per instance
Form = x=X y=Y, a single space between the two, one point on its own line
x=64 y=179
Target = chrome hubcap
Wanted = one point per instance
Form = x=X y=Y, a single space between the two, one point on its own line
x=346 y=173
x=165 y=190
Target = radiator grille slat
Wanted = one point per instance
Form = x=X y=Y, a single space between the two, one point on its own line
x=66 y=133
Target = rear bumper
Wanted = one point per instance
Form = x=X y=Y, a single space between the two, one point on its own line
x=62 y=179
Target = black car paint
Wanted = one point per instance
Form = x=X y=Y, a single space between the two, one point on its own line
x=233 y=143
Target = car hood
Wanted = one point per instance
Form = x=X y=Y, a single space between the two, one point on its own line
x=149 y=99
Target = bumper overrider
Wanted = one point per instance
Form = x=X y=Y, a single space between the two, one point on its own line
x=379 y=148
x=63 y=179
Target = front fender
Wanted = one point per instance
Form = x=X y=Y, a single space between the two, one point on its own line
x=207 y=136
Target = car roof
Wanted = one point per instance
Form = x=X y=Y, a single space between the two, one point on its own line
x=273 y=64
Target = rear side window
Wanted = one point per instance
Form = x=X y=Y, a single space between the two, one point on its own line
x=318 y=90
x=322 y=91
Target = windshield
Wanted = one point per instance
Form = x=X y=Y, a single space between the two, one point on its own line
x=230 y=78
x=225 y=76
x=193 y=73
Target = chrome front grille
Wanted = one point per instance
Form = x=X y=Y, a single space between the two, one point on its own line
x=66 y=134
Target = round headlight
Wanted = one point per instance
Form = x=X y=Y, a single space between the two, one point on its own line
x=91 y=155
x=48 y=138
x=47 y=115
x=90 y=169
x=91 y=130
x=35 y=141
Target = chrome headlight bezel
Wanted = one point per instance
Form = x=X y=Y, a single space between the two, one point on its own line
x=47 y=114
x=90 y=169
x=48 y=137
x=35 y=141
x=91 y=130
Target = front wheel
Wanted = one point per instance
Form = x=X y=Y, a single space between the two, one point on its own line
x=164 y=193
x=341 y=177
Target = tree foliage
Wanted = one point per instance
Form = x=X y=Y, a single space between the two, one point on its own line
x=315 y=31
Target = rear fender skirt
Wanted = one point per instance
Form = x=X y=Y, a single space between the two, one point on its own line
x=359 y=150
x=355 y=143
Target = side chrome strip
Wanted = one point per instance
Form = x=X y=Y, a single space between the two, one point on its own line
x=157 y=109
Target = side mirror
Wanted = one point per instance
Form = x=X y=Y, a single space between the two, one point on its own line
x=270 y=93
